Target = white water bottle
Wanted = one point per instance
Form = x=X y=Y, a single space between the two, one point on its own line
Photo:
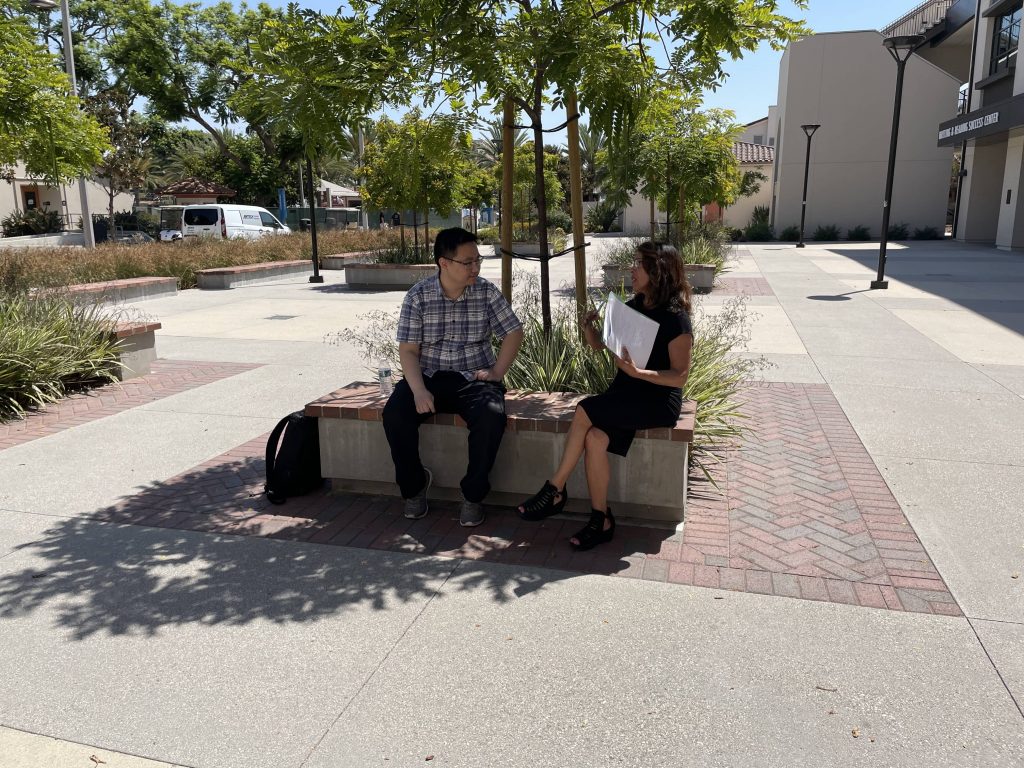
x=384 y=378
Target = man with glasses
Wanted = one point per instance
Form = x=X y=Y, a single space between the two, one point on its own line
x=444 y=343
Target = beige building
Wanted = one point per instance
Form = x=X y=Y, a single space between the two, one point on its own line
x=977 y=43
x=752 y=156
x=845 y=82
x=24 y=193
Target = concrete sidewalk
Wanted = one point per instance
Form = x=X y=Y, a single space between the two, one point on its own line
x=203 y=649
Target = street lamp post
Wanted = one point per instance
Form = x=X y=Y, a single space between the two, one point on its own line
x=69 y=64
x=809 y=130
x=900 y=48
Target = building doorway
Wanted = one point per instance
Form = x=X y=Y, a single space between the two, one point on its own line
x=31 y=199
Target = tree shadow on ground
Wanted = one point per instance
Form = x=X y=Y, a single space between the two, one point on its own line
x=206 y=548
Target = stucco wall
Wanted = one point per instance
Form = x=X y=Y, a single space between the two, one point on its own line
x=738 y=214
x=845 y=82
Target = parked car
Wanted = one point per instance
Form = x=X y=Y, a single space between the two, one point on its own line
x=132 y=237
x=227 y=221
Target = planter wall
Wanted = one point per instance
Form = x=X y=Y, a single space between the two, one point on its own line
x=387 y=277
x=342 y=260
x=700 y=276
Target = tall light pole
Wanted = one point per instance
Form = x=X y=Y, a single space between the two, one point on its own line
x=69 y=64
x=901 y=49
x=809 y=129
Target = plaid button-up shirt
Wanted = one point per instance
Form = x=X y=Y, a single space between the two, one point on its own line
x=455 y=335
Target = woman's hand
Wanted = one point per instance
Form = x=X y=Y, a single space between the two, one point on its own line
x=626 y=364
x=590 y=331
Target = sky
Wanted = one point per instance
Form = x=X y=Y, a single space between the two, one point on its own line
x=753 y=82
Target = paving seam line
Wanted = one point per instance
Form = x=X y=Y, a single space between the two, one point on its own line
x=999 y=673
x=97 y=746
x=455 y=566
x=993 y=380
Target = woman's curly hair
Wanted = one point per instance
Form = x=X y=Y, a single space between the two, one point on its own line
x=668 y=284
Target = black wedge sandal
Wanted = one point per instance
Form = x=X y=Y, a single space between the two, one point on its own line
x=542 y=504
x=593 y=533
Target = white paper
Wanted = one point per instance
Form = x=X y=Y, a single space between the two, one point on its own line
x=624 y=327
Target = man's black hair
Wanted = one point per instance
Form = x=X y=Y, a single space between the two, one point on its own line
x=449 y=240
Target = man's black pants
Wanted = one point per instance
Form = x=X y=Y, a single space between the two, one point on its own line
x=481 y=404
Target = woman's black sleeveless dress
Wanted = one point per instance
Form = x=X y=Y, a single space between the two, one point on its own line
x=630 y=404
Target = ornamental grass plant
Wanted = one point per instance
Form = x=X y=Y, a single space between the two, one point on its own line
x=56 y=267
x=50 y=346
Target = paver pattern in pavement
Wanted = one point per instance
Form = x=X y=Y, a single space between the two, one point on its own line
x=751 y=286
x=801 y=511
x=167 y=377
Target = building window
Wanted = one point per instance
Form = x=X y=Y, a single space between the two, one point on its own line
x=1004 y=40
x=759 y=139
x=771 y=142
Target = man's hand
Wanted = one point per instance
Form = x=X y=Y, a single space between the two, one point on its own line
x=590 y=330
x=487 y=374
x=424 y=402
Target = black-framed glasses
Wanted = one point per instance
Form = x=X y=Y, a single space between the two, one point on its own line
x=470 y=263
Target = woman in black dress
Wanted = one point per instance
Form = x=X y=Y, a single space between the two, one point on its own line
x=636 y=399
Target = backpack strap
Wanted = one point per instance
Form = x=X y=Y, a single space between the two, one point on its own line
x=271 y=457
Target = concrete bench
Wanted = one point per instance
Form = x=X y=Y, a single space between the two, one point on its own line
x=342 y=260
x=128 y=289
x=387 y=277
x=649 y=483
x=222 y=278
x=136 y=348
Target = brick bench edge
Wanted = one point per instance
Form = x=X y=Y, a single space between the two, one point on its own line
x=342 y=405
x=263 y=266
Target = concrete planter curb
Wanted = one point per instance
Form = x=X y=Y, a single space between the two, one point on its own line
x=127 y=289
x=342 y=260
x=387 y=277
x=222 y=278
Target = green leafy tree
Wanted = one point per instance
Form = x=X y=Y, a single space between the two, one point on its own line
x=41 y=122
x=419 y=164
x=126 y=164
x=534 y=52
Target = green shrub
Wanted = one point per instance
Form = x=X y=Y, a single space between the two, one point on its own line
x=489 y=235
x=858 y=233
x=759 y=233
x=927 y=233
x=898 y=232
x=735 y=234
x=35 y=222
x=559 y=219
x=50 y=346
x=828 y=232
x=790 y=233
x=601 y=217
x=407 y=255
x=623 y=252
x=760 y=215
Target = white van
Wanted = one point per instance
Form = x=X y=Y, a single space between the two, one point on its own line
x=225 y=221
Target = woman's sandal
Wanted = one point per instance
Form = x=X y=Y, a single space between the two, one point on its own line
x=542 y=504
x=594 y=533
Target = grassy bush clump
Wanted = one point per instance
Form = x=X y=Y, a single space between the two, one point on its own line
x=50 y=346
x=601 y=217
x=899 y=231
x=826 y=232
x=759 y=233
x=790 y=233
x=407 y=255
x=561 y=362
x=927 y=233
x=858 y=233
x=54 y=267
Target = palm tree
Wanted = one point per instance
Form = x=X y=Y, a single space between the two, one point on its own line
x=592 y=143
x=487 y=151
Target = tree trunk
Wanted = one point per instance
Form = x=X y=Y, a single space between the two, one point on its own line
x=415 y=232
x=654 y=219
x=507 y=169
x=576 y=201
x=426 y=230
x=542 y=206
x=682 y=212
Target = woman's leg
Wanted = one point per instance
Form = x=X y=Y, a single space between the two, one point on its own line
x=574 y=442
x=598 y=475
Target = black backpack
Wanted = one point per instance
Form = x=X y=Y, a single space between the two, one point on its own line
x=294 y=468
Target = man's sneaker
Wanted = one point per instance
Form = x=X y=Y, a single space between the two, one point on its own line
x=471 y=514
x=416 y=507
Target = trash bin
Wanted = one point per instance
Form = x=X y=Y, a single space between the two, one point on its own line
x=99 y=230
x=304 y=225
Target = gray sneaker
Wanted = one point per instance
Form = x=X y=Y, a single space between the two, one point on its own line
x=471 y=514
x=417 y=507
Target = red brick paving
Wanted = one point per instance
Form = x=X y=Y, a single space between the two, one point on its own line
x=168 y=377
x=801 y=512
x=751 y=286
